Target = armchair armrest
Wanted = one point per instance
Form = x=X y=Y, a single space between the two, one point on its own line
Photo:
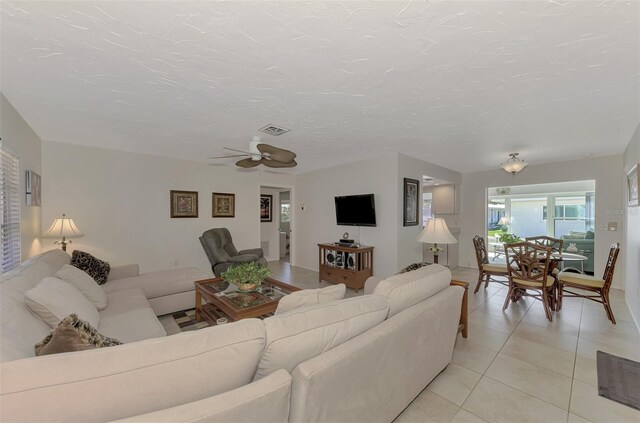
x=255 y=251
x=124 y=271
x=244 y=258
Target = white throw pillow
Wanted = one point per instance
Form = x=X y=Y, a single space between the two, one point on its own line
x=308 y=297
x=54 y=299
x=85 y=284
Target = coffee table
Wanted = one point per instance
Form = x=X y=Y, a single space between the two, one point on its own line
x=216 y=298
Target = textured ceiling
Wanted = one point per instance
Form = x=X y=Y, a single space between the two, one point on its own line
x=456 y=83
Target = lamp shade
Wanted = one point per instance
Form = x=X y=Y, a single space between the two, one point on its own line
x=436 y=232
x=63 y=228
x=504 y=220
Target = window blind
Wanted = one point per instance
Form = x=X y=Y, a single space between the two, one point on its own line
x=10 y=205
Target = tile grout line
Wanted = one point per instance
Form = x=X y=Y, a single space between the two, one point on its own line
x=509 y=386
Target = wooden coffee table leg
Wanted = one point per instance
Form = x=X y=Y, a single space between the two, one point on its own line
x=198 y=305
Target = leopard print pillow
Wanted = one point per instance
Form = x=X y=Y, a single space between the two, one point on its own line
x=73 y=334
x=97 y=269
x=413 y=266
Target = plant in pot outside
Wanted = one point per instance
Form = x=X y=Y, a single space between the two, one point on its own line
x=246 y=276
x=509 y=238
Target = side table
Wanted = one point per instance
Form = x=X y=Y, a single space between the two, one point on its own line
x=464 y=312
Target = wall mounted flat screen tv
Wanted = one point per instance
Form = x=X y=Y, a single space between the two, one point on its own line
x=356 y=210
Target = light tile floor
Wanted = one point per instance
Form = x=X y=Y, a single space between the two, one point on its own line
x=515 y=366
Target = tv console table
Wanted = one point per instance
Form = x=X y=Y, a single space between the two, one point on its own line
x=351 y=266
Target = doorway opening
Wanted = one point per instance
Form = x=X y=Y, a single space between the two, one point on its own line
x=276 y=230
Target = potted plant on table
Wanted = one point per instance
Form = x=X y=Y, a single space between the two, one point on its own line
x=247 y=276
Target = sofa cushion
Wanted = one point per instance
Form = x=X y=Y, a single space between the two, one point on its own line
x=105 y=384
x=129 y=317
x=20 y=329
x=84 y=283
x=304 y=333
x=158 y=284
x=308 y=297
x=266 y=400
x=54 y=299
x=407 y=289
x=73 y=334
x=96 y=268
x=55 y=258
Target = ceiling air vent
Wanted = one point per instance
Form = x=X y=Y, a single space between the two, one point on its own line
x=273 y=130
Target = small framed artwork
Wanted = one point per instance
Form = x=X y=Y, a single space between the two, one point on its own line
x=633 y=180
x=411 y=196
x=266 y=207
x=223 y=204
x=184 y=203
x=33 y=189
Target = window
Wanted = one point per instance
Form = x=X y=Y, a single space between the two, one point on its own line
x=10 y=205
x=426 y=207
x=285 y=211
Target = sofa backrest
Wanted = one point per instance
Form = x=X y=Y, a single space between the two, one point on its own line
x=20 y=329
x=127 y=380
x=300 y=334
x=375 y=375
x=407 y=289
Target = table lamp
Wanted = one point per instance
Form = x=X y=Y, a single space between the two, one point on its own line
x=504 y=222
x=436 y=232
x=63 y=228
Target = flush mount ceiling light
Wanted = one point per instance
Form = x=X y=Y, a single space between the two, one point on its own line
x=514 y=164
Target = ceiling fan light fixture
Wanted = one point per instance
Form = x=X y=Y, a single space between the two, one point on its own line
x=253 y=149
x=514 y=164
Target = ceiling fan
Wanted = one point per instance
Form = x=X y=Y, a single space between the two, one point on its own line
x=261 y=153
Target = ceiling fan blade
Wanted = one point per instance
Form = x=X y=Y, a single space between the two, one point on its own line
x=247 y=163
x=273 y=163
x=240 y=151
x=226 y=157
x=278 y=154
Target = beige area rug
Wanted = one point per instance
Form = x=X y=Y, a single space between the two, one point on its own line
x=181 y=321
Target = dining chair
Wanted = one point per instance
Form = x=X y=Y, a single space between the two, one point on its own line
x=592 y=284
x=487 y=272
x=546 y=241
x=528 y=266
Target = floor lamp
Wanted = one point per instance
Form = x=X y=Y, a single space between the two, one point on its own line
x=436 y=232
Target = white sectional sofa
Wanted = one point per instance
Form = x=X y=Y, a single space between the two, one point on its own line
x=133 y=302
x=360 y=359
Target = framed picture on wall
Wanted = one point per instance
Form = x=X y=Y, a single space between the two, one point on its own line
x=223 y=204
x=411 y=201
x=633 y=180
x=184 y=203
x=33 y=186
x=266 y=207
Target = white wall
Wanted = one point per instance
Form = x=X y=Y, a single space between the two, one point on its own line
x=409 y=250
x=269 y=231
x=120 y=201
x=606 y=171
x=20 y=140
x=631 y=250
x=315 y=219
x=395 y=246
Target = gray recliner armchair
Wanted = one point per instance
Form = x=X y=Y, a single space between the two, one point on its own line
x=222 y=254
